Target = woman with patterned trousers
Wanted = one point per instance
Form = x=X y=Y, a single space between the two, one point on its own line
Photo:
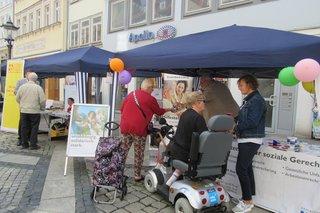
x=136 y=112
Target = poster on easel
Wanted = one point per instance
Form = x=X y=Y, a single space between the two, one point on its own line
x=86 y=127
x=11 y=112
x=87 y=123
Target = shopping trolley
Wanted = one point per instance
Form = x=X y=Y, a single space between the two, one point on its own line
x=108 y=171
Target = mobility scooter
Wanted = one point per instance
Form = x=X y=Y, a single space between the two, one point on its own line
x=199 y=189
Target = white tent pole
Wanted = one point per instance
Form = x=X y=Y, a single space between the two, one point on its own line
x=113 y=98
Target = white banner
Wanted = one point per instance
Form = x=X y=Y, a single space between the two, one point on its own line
x=286 y=182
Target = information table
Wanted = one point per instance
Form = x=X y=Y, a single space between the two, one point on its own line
x=51 y=118
x=286 y=181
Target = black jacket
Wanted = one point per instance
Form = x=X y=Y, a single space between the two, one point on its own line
x=190 y=121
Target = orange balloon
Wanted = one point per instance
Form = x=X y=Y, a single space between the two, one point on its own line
x=116 y=64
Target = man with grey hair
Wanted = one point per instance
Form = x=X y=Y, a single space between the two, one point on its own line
x=219 y=99
x=31 y=99
x=18 y=85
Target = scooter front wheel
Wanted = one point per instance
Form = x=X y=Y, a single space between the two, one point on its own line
x=149 y=183
x=182 y=205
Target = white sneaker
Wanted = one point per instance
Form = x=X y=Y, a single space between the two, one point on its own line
x=242 y=207
x=235 y=200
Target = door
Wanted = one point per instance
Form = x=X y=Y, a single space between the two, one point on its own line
x=268 y=88
x=286 y=110
x=280 y=101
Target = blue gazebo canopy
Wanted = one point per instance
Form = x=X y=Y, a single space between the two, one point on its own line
x=90 y=59
x=225 y=52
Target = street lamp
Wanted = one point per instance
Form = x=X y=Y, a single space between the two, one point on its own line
x=8 y=30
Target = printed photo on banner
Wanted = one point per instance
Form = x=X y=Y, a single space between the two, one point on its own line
x=175 y=89
x=86 y=126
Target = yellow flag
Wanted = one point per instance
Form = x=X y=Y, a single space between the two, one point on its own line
x=11 y=112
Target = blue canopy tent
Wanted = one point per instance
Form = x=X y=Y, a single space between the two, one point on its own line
x=90 y=59
x=79 y=62
x=225 y=52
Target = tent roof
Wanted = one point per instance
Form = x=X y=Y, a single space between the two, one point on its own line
x=92 y=60
x=226 y=52
x=87 y=59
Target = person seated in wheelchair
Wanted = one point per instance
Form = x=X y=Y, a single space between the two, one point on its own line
x=190 y=121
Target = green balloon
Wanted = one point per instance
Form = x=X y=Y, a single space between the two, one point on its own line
x=287 y=78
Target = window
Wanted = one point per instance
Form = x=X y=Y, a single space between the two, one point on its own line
x=196 y=6
x=24 y=25
x=38 y=19
x=138 y=12
x=230 y=3
x=162 y=10
x=117 y=19
x=18 y=25
x=96 y=29
x=85 y=27
x=74 y=40
x=31 y=22
x=56 y=11
x=47 y=15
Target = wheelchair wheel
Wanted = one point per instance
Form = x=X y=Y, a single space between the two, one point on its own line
x=124 y=192
x=149 y=183
x=183 y=205
x=124 y=188
x=92 y=193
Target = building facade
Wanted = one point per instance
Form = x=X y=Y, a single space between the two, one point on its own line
x=43 y=26
x=6 y=13
x=289 y=108
x=85 y=23
x=85 y=28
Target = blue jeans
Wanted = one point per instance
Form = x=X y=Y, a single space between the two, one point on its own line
x=244 y=168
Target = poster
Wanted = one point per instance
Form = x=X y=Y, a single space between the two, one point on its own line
x=70 y=91
x=11 y=112
x=86 y=127
x=175 y=90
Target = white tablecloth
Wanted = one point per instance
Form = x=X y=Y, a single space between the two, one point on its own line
x=286 y=181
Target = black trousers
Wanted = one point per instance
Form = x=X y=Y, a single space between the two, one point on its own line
x=19 y=131
x=244 y=168
x=29 y=124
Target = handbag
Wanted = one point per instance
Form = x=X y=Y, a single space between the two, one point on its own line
x=149 y=124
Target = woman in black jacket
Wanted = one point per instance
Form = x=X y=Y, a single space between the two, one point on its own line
x=190 y=121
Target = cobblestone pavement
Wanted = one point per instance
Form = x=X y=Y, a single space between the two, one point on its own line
x=137 y=200
x=23 y=175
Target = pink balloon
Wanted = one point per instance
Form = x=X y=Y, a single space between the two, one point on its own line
x=124 y=77
x=131 y=69
x=307 y=70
